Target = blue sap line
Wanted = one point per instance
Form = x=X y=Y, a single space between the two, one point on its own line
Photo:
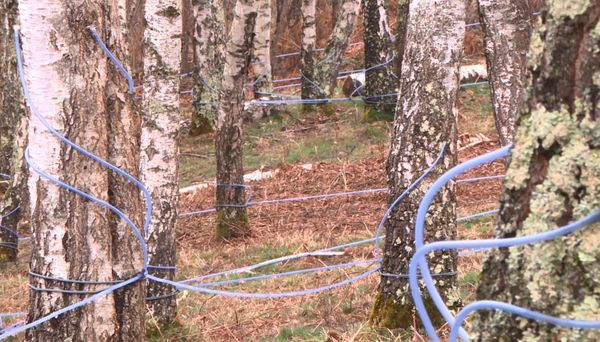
x=68 y=142
x=419 y=239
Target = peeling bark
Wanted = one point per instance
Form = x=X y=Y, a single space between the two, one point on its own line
x=13 y=128
x=320 y=77
x=425 y=121
x=507 y=27
x=552 y=179
x=378 y=50
x=124 y=129
x=159 y=145
x=70 y=237
x=232 y=219
x=209 y=46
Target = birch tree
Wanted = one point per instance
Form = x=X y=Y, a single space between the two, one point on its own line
x=319 y=77
x=425 y=121
x=552 y=179
x=232 y=219
x=262 y=58
x=400 y=42
x=507 y=27
x=209 y=45
x=69 y=241
x=188 y=27
x=379 y=50
x=309 y=44
x=13 y=128
x=124 y=129
x=159 y=145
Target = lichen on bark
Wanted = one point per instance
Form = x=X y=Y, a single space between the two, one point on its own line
x=425 y=121
x=552 y=179
x=209 y=36
x=507 y=27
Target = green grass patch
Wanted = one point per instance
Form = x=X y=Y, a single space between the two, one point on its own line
x=175 y=331
x=476 y=111
x=289 y=137
x=481 y=225
x=471 y=278
x=298 y=333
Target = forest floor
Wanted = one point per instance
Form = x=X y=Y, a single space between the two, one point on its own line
x=313 y=154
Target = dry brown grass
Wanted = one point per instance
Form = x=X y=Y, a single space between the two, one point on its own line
x=337 y=315
x=291 y=228
x=278 y=230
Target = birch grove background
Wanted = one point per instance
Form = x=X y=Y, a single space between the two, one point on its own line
x=299 y=170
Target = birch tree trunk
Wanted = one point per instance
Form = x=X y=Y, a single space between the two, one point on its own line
x=400 y=42
x=263 y=84
x=9 y=85
x=159 y=145
x=309 y=44
x=379 y=79
x=188 y=27
x=209 y=38
x=325 y=74
x=124 y=129
x=232 y=219
x=320 y=78
x=69 y=240
x=425 y=121
x=13 y=128
x=507 y=26
x=552 y=179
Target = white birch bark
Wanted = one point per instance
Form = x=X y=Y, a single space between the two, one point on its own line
x=159 y=142
x=309 y=44
x=378 y=50
x=425 y=121
x=209 y=35
x=551 y=180
x=232 y=219
x=320 y=81
x=70 y=240
x=507 y=26
x=262 y=58
x=124 y=126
